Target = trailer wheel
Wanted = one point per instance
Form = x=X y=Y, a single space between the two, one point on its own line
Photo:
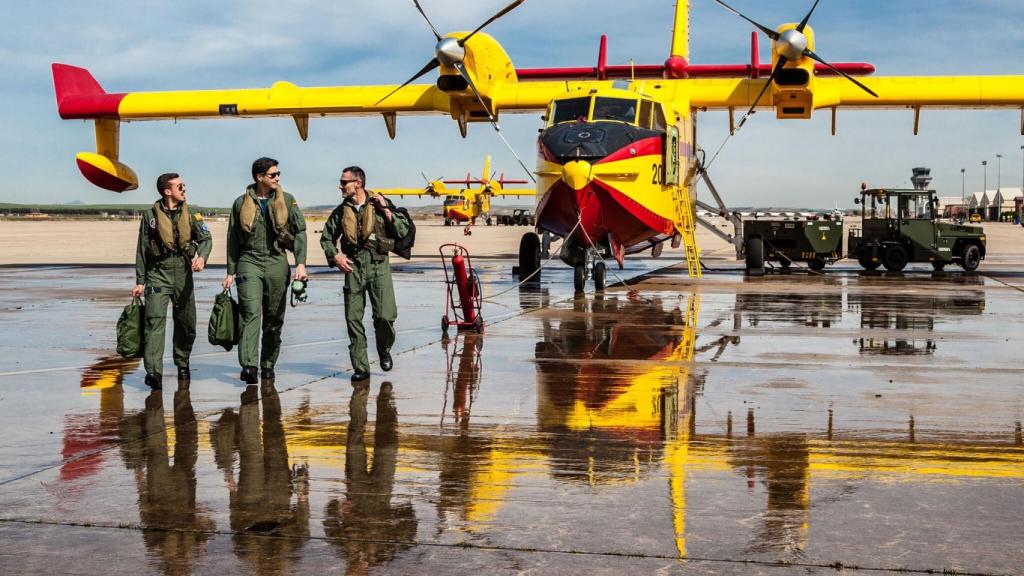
x=895 y=258
x=529 y=257
x=785 y=262
x=971 y=258
x=755 y=256
x=865 y=260
x=817 y=264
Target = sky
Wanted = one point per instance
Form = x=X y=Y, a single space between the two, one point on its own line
x=185 y=45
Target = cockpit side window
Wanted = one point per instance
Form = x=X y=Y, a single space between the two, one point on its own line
x=644 y=121
x=570 y=110
x=619 y=109
x=659 y=118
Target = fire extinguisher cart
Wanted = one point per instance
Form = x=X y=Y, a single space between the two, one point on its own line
x=462 y=307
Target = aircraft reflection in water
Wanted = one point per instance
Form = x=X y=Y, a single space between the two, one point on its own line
x=261 y=497
x=174 y=530
x=369 y=529
x=87 y=434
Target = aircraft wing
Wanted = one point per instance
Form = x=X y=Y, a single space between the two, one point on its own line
x=406 y=191
x=893 y=92
x=515 y=192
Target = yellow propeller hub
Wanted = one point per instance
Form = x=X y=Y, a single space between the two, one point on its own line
x=577 y=174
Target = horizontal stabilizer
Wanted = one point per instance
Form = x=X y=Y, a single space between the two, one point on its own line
x=79 y=95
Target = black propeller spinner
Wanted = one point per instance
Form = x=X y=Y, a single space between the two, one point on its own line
x=790 y=45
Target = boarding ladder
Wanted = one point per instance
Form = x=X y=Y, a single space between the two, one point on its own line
x=685 y=225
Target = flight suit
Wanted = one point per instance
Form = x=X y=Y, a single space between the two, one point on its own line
x=260 y=266
x=371 y=274
x=167 y=275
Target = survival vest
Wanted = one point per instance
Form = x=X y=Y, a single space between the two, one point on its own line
x=166 y=237
x=277 y=209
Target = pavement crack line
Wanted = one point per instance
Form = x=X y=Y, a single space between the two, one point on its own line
x=838 y=566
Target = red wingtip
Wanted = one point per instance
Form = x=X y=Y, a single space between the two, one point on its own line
x=79 y=95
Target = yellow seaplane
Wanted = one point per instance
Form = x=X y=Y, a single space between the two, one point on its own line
x=617 y=160
x=469 y=203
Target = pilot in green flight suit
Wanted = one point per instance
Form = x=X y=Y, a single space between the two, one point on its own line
x=366 y=229
x=265 y=224
x=173 y=242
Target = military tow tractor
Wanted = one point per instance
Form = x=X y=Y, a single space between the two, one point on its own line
x=814 y=241
x=900 y=226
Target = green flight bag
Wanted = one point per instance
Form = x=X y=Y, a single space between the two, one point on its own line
x=223 y=329
x=131 y=329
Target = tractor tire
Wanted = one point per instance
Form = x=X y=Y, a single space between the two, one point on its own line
x=529 y=257
x=971 y=258
x=755 y=256
x=895 y=258
x=600 y=276
x=579 y=278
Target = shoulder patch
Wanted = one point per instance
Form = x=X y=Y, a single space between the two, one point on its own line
x=204 y=227
x=152 y=223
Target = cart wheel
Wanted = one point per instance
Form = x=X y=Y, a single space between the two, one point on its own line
x=865 y=260
x=938 y=266
x=600 y=274
x=785 y=263
x=529 y=257
x=478 y=324
x=579 y=277
x=817 y=264
x=755 y=256
x=444 y=325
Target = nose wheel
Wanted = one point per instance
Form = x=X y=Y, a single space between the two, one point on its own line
x=590 y=268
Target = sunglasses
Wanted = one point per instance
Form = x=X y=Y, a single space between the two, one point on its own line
x=344 y=182
x=181 y=187
x=272 y=174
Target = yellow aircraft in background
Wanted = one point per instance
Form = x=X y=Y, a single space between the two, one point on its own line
x=467 y=204
x=617 y=161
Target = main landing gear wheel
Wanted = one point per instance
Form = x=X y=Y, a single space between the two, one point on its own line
x=755 y=256
x=447 y=221
x=579 y=277
x=600 y=275
x=895 y=258
x=971 y=258
x=529 y=257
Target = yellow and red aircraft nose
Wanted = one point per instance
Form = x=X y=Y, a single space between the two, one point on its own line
x=577 y=174
x=106 y=173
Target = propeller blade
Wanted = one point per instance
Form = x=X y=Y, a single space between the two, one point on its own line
x=800 y=27
x=503 y=11
x=434 y=63
x=768 y=31
x=429 y=23
x=812 y=55
x=494 y=121
x=778 y=66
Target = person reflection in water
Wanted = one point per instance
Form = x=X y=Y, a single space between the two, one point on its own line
x=268 y=528
x=367 y=527
x=173 y=531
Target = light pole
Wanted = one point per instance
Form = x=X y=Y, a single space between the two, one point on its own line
x=984 y=165
x=963 y=189
x=999 y=172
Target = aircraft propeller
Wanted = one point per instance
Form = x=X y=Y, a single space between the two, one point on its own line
x=789 y=45
x=451 y=52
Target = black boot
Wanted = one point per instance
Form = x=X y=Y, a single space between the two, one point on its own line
x=386 y=363
x=249 y=375
x=360 y=376
x=267 y=373
x=155 y=380
x=184 y=373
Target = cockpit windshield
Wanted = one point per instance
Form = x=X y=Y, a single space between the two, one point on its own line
x=571 y=110
x=452 y=200
x=619 y=109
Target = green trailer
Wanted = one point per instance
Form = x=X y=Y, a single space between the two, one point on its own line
x=812 y=240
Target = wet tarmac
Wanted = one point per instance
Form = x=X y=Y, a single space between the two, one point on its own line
x=846 y=422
